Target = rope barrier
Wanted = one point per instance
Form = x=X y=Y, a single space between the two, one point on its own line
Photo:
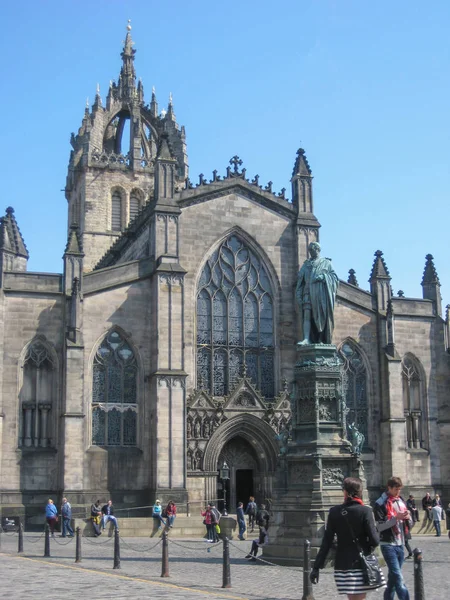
x=200 y=546
x=262 y=560
x=37 y=540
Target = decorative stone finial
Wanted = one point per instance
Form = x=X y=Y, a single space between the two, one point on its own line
x=401 y=294
x=153 y=90
x=170 y=99
x=163 y=113
x=352 y=277
x=87 y=102
x=129 y=25
x=10 y=210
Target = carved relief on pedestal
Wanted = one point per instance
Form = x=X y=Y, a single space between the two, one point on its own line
x=300 y=473
x=334 y=472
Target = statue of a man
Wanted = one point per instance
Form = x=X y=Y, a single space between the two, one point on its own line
x=316 y=292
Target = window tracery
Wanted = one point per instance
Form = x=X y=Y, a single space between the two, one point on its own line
x=37 y=397
x=235 y=320
x=413 y=403
x=355 y=386
x=114 y=393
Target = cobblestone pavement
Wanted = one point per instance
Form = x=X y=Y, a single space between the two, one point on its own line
x=195 y=571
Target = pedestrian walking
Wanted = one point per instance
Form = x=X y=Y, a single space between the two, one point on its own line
x=251 y=512
x=436 y=512
x=411 y=506
x=51 y=515
x=354 y=526
x=393 y=519
x=241 y=520
x=66 y=515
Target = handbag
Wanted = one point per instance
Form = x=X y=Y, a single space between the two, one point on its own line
x=217 y=528
x=372 y=573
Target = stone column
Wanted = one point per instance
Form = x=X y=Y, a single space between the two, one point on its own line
x=44 y=410
x=27 y=442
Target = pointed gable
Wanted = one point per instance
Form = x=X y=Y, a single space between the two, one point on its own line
x=429 y=274
x=245 y=398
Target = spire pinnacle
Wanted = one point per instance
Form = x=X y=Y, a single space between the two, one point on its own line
x=301 y=166
x=127 y=78
x=352 y=278
x=379 y=268
x=429 y=274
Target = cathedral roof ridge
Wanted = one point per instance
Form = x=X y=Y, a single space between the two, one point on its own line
x=233 y=176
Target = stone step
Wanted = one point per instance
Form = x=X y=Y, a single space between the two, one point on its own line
x=426 y=527
x=147 y=527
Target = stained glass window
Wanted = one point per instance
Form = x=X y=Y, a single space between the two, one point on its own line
x=235 y=321
x=355 y=380
x=114 y=393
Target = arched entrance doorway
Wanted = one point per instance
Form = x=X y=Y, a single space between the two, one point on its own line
x=248 y=446
x=244 y=480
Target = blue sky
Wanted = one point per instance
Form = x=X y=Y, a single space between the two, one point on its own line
x=363 y=87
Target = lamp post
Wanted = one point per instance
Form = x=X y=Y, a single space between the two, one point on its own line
x=224 y=474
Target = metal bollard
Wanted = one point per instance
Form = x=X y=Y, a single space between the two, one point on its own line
x=226 y=578
x=116 y=548
x=165 y=554
x=307 y=585
x=78 y=545
x=419 y=587
x=20 y=537
x=188 y=509
x=47 y=541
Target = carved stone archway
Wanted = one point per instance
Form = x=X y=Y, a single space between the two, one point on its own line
x=259 y=435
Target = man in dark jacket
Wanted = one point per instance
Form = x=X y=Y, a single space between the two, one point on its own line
x=262 y=540
x=241 y=520
x=66 y=514
x=108 y=515
x=427 y=505
x=393 y=520
x=262 y=517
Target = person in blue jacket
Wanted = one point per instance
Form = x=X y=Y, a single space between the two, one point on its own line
x=51 y=514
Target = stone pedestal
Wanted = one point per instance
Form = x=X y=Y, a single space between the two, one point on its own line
x=316 y=459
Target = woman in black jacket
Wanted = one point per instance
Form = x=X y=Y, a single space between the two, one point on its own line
x=348 y=574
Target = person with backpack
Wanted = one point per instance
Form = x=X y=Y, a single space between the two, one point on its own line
x=262 y=517
x=251 y=512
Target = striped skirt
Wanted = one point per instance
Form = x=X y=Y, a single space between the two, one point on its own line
x=352 y=582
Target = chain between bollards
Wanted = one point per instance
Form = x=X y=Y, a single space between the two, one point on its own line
x=226 y=579
x=47 y=541
x=307 y=585
x=116 y=548
x=165 y=554
x=20 y=537
x=78 y=545
x=419 y=587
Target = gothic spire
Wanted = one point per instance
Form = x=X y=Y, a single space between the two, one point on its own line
x=301 y=166
x=379 y=268
x=429 y=274
x=10 y=237
x=127 y=78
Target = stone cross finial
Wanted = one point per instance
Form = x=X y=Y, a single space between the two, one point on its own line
x=236 y=162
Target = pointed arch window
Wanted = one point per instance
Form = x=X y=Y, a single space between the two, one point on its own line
x=235 y=320
x=114 y=393
x=135 y=204
x=355 y=388
x=116 y=211
x=413 y=402
x=37 y=397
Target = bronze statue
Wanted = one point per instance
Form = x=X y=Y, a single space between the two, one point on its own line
x=316 y=292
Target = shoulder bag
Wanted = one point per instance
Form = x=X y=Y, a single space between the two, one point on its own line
x=372 y=573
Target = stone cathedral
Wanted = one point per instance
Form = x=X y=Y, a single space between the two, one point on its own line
x=167 y=346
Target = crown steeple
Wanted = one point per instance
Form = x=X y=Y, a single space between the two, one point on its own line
x=127 y=77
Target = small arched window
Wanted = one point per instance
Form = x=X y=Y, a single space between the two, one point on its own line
x=413 y=402
x=116 y=211
x=355 y=388
x=114 y=393
x=135 y=204
x=235 y=321
x=39 y=383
